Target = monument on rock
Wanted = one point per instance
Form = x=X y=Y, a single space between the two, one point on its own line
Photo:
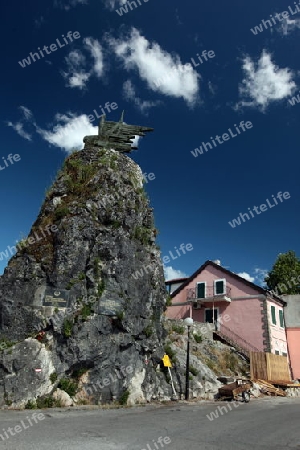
x=116 y=135
x=76 y=286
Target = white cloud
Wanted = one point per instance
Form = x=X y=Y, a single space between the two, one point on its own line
x=39 y=22
x=76 y=74
x=19 y=128
x=264 y=83
x=68 y=4
x=246 y=276
x=260 y=275
x=69 y=132
x=212 y=88
x=171 y=273
x=161 y=71
x=26 y=112
x=130 y=95
x=111 y=4
x=79 y=80
x=135 y=141
x=95 y=49
x=288 y=26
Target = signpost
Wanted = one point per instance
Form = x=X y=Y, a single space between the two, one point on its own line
x=167 y=363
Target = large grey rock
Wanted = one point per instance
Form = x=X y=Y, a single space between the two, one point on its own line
x=104 y=260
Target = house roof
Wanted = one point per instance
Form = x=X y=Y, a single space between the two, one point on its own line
x=176 y=280
x=227 y=272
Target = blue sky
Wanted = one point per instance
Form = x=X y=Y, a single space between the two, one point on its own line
x=145 y=61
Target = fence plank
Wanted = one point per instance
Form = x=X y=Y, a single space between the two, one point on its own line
x=267 y=366
x=279 y=369
x=258 y=365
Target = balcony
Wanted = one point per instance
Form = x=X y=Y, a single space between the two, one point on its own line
x=209 y=295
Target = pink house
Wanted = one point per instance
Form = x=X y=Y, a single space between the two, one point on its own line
x=242 y=313
x=292 y=323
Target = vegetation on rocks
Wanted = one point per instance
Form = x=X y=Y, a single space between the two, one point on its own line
x=124 y=397
x=218 y=357
x=69 y=386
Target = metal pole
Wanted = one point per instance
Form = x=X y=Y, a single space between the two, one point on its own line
x=170 y=373
x=187 y=374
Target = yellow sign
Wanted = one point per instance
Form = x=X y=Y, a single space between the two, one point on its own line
x=166 y=361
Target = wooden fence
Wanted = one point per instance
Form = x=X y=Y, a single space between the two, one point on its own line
x=270 y=367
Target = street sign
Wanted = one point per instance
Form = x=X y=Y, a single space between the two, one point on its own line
x=166 y=361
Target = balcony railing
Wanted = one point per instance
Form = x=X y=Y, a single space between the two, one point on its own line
x=210 y=294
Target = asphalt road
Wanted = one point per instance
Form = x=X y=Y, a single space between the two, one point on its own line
x=262 y=424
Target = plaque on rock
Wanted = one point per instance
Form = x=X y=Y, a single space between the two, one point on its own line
x=58 y=298
x=109 y=307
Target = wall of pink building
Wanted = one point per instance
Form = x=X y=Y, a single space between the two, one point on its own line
x=277 y=334
x=246 y=321
x=199 y=314
x=245 y=315
x=178 y=312
x=293 y=338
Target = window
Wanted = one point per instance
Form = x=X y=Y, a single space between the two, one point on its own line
x=219 y=287
x=284 y=354
x=211 y=315
x=201 y=288
x=273 y=314
x=276 y=352
x=281 y=321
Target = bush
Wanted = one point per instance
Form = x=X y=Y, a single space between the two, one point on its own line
x=171 y=353
x=194 y=371
x=120 y=315
x=67 y=328
x=77 y=373
x=148 y=331
x=69 y=386
x=179 y=329
x=116 y=224
x=53 y=377
x=124 y=397
x=96 y=266
x=47 y=402
x=101 y=287
x=169 y=300
x=198 y=338
x=231 y=361
x=86 y=311
x=142 y=234
x=61 y=211
x=7 y=400
x=30 y=405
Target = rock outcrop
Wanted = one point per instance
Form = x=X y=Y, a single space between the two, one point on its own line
x=209 y=360
x=84 y=293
